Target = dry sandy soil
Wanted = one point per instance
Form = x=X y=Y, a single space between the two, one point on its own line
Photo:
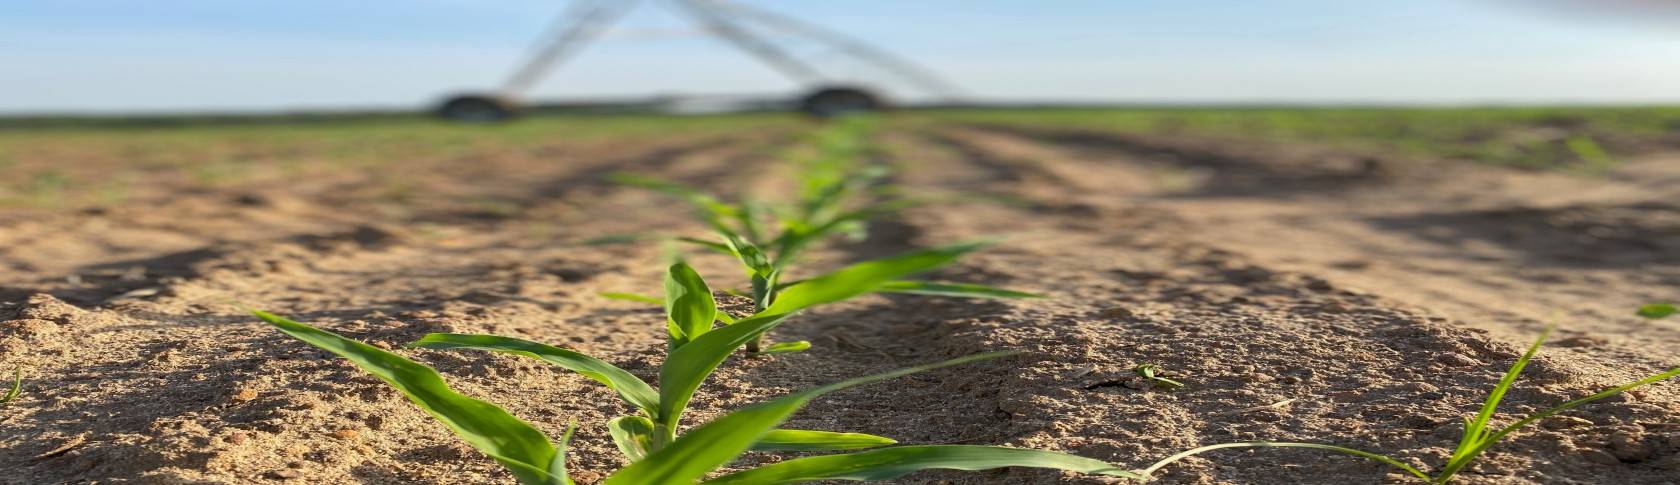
x=1302 y=294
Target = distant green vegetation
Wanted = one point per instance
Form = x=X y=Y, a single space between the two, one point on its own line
x=1561 y=137
x=69 y=165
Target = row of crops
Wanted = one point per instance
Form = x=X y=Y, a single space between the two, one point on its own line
x=841 y=188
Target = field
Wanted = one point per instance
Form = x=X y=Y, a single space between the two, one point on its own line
x=1352 y=277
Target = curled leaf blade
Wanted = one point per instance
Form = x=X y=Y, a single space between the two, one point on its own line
x=633 y=435
x=689 y=307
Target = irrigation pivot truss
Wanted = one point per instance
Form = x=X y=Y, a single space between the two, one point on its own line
x=738 y=24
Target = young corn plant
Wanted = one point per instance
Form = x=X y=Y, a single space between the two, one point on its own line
x=1479 y=435
x=829 y=185
x=658 y=453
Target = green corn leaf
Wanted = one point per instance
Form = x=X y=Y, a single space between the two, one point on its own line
x=699 y=199
x=864 y=277
x=799 y=234
x=634 y=390
x=619 y=239
x=763 y=289
x=721 y=315
x=631 y=297
x=710 y=245
x=747 y=217
x=1475 y=431
x=557 y=468
x=524 y=450
x=786 y=347
x=633 y=434
x=803 y=440
x=964 y=290
x=713 y=444
x=687 y=367
x=749 y=254
x=1147 y=472
x=1658 y=310
x=890 y=463
x=689 y=307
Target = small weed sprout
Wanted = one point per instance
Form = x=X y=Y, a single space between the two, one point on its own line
x=17 y=388
x=1477 y=438
x=1151 y=372
x=1657 y=310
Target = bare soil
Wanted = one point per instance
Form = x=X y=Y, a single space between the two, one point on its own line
x=1302 y=293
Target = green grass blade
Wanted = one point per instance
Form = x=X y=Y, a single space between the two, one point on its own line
x=634 y=390
x=890 y=463
x=17 y=388
x=1277 y=444
x=523 y=449
x=713 y=444
x=634 y=435
x=1494 y=437
x=747 y=217
x=687 y=367
x=1658 y=310
x=654 y=300
x=962 y=290
x=799 y=235
x=689 y=307
x=864 y=277
x=620 y=239
x=804 y=440
x=1475 y=431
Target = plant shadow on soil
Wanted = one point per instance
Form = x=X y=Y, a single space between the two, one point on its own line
x=1228 y=173
x=1626 y=236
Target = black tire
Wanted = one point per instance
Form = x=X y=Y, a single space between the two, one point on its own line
x=477 y=109
x=837 y=101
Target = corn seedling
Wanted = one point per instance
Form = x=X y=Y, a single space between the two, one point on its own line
x=1657 y=310
x=826 y=209
x=1477 y=438
x=657 y=454
x=1150 y=372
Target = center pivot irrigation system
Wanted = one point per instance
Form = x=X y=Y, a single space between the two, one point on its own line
x=738 y=24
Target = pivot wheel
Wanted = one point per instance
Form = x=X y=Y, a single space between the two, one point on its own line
x=477 y=109
x=837 y=101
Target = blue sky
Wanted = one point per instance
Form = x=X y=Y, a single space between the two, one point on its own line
x=124 y=56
